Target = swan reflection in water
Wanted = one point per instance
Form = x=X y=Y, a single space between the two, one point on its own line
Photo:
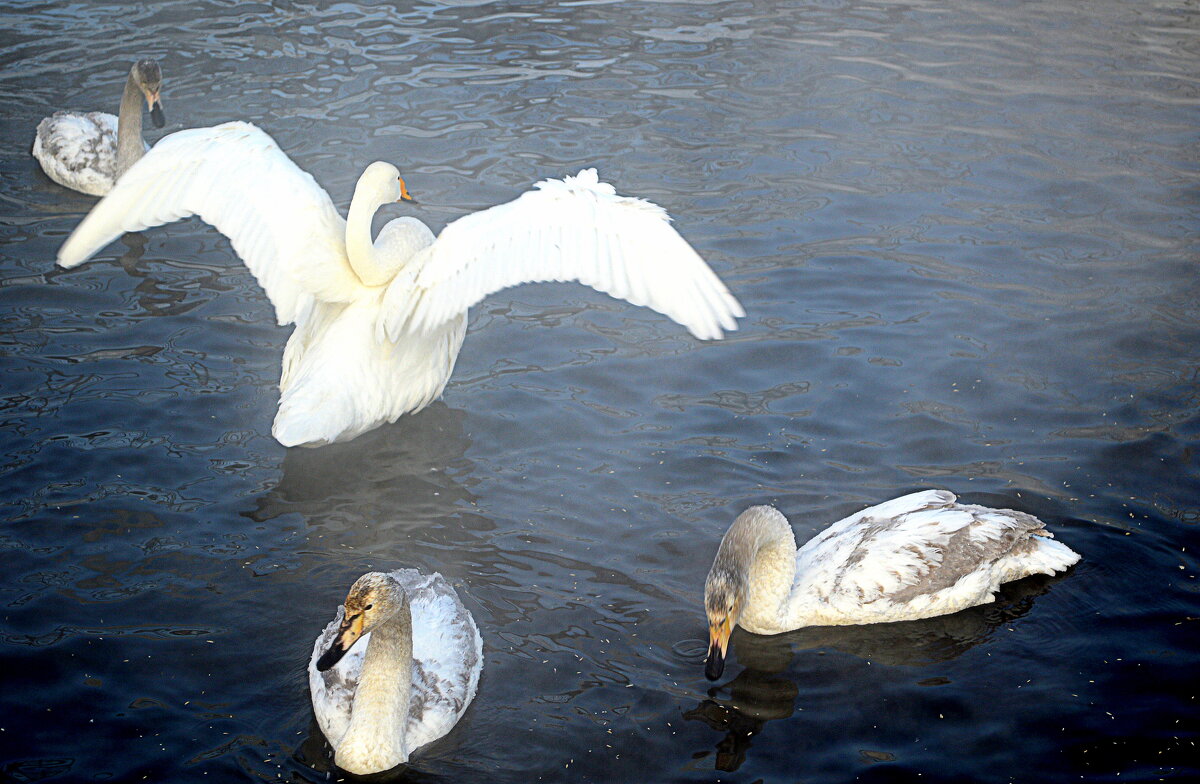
x=767 y=688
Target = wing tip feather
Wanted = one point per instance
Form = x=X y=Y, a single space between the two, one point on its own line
x=69 y=262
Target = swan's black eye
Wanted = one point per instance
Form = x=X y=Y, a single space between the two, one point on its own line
x=369 y=606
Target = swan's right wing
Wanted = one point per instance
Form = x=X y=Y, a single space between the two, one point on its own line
x=234 y=176
x=332 y=691
x=906 y=555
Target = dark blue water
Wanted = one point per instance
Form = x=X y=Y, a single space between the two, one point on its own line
x=966 y=237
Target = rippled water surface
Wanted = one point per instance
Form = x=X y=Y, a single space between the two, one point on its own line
x=966 y=238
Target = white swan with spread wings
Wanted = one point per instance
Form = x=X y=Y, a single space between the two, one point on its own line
x=380 y=323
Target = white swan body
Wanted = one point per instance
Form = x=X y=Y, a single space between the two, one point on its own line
x=917 y=556
x=395 y=670
x=379 y=324
x=88 y=151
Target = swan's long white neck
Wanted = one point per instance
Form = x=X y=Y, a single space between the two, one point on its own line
x=130 y=146
x=759 y=553
x=360 y=248
x=375 y=739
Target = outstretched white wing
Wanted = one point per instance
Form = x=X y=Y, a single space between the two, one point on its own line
x=234 y=176
x=572 y=229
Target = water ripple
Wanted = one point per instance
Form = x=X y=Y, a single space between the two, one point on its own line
x=965 y=237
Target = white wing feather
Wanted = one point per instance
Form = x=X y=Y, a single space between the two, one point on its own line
x=234 y=176
x=576 y=229
x=921 y=555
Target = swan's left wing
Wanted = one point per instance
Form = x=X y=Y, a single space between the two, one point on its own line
x=447 y=657
x=575 y=229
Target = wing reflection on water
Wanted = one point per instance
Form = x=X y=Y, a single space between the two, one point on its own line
x=404 y=474
x=394 y=497
x=767 y=688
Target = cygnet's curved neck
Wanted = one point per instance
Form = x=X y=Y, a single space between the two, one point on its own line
x=130 y=146
x=375 y=739
x=360 y=248
x=760 y=548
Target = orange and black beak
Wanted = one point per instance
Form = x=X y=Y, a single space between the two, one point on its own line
x=154 y=102
x=404 y=194
x=718 y=644
x=348 y=633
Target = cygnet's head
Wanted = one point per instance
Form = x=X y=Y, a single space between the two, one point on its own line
x=724 y=598
x=148 y=77
x=384 y=179
x=727 y=589
x=374 y=598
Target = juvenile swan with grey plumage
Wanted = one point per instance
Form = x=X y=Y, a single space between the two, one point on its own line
x=89 y=151
x=916 y=556
x=395 y=670
x=379 y=324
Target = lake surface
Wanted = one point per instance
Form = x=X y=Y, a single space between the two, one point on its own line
x=966 y=238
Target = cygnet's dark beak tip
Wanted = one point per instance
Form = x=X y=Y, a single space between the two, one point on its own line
x=329 y=658
x=715 y=665
x=157 y=117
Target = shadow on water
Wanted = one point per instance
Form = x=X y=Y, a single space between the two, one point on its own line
x=160 y=289
x=156 y=296
x=768 y=687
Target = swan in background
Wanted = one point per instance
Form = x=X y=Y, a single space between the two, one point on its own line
x=380 y=324
x=88 y=151
x=394 y=670
x=916 y=556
